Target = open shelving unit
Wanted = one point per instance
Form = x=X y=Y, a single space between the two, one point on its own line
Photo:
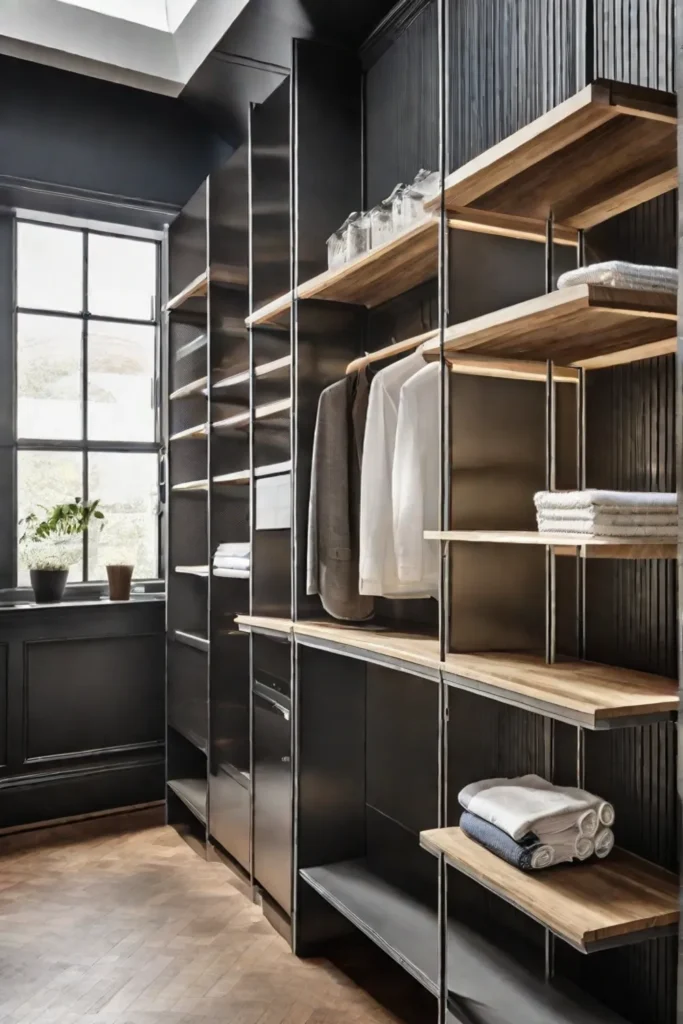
x=334 y=751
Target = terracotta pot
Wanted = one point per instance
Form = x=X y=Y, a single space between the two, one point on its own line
x=120 y=577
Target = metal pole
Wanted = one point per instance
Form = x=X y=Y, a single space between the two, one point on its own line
x=550 y=566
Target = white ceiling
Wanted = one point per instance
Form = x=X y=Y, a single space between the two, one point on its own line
x=150 y=44
x=165 y=15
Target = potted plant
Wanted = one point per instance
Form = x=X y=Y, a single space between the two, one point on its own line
x=49 y=547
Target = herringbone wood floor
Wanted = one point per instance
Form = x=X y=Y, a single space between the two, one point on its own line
x=132 y=927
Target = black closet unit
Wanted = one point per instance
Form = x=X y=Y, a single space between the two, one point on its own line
x=326 y=758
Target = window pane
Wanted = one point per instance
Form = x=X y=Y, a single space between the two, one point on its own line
x=120 y=382
x=122 y=277
x=49 y=268
x=127 y=485
x=49 y=378
x=48 y=478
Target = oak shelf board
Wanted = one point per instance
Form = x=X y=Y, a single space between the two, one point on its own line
x=234 y=277
x=260 y=371
x=592 y=906
x=567 y=326
x=191 y=486
x=193 y=794
x=275 y=469
x=198 y=432
x=195 y=387
x=242 y=476
x=582 y=693
x=261 y=412
x=567 y=543
x=263 y=623
x=510 y=369
x=403 y=651
x=605 y=150
x=630 y=355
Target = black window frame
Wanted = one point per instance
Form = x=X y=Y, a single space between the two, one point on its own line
x=84 y=445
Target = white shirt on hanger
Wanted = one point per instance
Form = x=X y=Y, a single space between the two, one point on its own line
x=378 y=570
x=415 y=485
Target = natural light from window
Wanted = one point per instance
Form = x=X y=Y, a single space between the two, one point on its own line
x=165 y=15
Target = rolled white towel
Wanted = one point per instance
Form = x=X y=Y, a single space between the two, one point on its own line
x=585 y=848
x=543 y=857
x=604 y=843
x=607 y=814
x=588 y=824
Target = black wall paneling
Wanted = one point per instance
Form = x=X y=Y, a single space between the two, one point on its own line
x=82 y=710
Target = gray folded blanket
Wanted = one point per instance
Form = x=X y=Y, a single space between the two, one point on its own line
x=527 y=854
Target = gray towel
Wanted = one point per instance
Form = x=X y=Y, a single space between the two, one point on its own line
x=519 y=854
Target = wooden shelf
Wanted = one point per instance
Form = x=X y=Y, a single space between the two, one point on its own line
x=242 y=476
x=592 y=906
x=191 y=347
x=510 y=369
x=192 y=570
x=581 y=693
x=567 y=326
x=567 y=543
x=199 y=641
x=403 y=651
x=235 y=277
x=191 y=433
x=263 y=624
x=262 y=412
x=193 y=794
x=191 y=486
x=603 y=151
x=196 y=387
x=275 y=469
x=260 y=371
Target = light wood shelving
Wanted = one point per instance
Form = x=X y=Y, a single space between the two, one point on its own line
x=192 y=433
x=191 y=486
x=400 y=650
x=595 y=905
x=192 y=570
x=196 y=387
x=260 y=371
x=264 y=623
x=235 y=277
x=242 y=476
x=567 y=326
x=567 y=543
x=510 y=369
x=261 y=412
x=582 y=693
x=603 y=151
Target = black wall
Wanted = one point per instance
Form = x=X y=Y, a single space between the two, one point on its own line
x=82 y=133
x=81 y=710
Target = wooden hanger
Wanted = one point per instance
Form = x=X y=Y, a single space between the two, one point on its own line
x=391 y=350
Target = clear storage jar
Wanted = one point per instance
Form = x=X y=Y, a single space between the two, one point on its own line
x=381 y=223
x=336 y=249
x=410 y=207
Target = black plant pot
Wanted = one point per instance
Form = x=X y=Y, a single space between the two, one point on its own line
x=48 y=585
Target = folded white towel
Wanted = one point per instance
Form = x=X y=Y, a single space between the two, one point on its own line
x=233 y=574
x=604 y=843
x=619 y=274
x=597 y=499
x=605 y=530
x=237 y=550
x=613 y=516
x=531 y=804
x=228 y=562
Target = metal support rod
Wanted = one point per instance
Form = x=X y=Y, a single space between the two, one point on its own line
x=580 y=757
x=549 y=253
x=581 y=567
x=581 y=260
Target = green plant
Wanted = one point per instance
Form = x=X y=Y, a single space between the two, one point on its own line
x=45 y=540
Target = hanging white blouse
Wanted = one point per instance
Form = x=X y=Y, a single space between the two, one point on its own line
x=378 y=569
x=415 y=485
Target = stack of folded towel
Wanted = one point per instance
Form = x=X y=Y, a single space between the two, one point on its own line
x=532 y=824
x=608 y=513
x=618 y=274
x=232 y=560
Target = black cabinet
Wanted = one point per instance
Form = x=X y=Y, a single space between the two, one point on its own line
x=272 y=783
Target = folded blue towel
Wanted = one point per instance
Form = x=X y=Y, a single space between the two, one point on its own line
x=519 y=854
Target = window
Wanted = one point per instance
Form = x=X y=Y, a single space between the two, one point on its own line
x=87 y=367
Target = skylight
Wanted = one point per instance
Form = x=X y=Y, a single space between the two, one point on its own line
x=165 y=15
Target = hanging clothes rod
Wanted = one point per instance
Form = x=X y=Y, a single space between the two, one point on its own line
x=391 y=350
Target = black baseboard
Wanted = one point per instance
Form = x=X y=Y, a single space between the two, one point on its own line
x=78 y=793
